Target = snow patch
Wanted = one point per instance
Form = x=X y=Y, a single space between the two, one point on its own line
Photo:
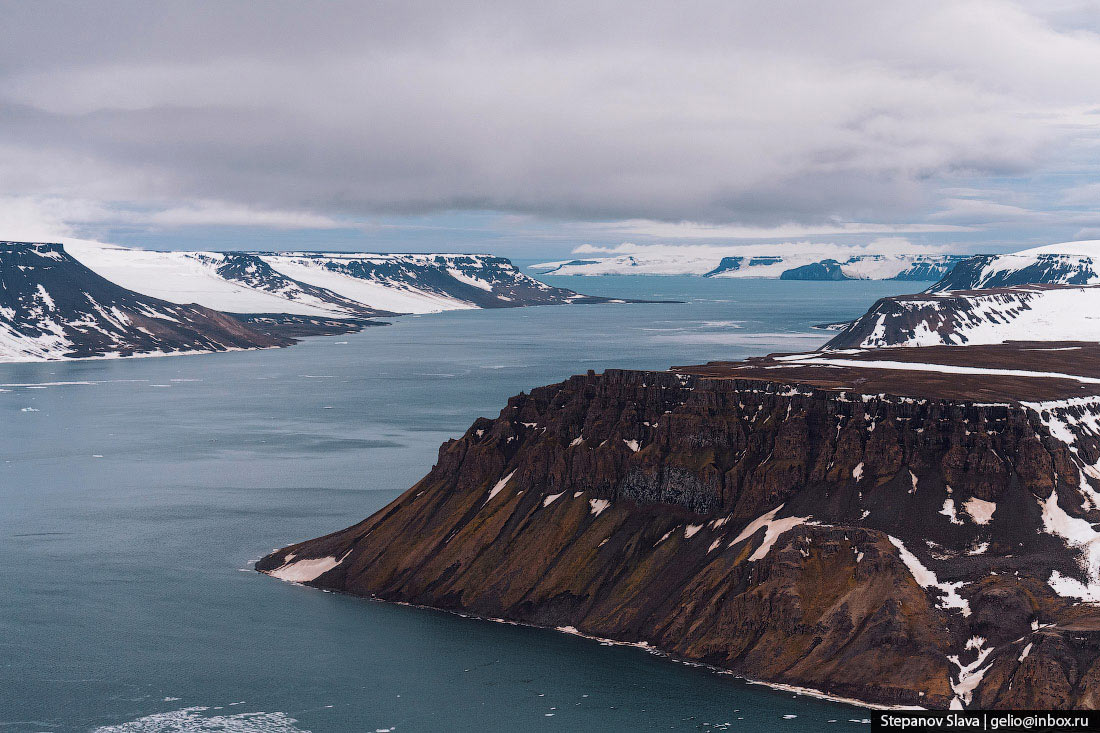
x=949 y=511
x=303 y=571
x=1077 y=533
x=775 y=528
x=927 y=579
x=499 y=486
x=598 y=506
x=980 y=511
x=948 y=369
x=969 y=675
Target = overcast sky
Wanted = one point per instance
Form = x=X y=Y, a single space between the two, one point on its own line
x=533 y=129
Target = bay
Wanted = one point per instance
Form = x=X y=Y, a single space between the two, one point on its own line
x=135 y=494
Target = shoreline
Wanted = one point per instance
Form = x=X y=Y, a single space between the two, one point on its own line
x=644 y=646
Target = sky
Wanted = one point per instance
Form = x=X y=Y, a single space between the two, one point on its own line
x=536 y=130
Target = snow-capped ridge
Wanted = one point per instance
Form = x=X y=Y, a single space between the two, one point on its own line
x=53 y=307
x=334 y=284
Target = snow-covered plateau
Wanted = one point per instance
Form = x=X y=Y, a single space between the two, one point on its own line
x=319 y=283
x=89 y=300
x=805 y=265
x=1068 y=263
x=1049 y=293
x=1022 y=313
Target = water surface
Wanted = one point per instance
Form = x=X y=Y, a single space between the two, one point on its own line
x=135 y=494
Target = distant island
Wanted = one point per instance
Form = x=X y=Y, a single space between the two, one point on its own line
x=806 y=265
x=96 y=301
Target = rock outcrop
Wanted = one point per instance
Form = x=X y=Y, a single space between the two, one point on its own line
x=905 y=550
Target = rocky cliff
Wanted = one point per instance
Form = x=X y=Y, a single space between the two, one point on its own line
x=907 y=550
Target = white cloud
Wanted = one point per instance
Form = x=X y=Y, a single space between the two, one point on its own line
x=55 y=218
x=752 y=120
x=980 y=211
x=697 y=230
x=30 y=219
x=1086 y=194
x=220 y=214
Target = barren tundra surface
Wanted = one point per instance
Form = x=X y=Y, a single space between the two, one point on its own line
x=1012 y=372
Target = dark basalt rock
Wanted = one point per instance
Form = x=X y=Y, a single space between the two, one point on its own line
x=620 y=505
x=824 y=270
x=292 y=326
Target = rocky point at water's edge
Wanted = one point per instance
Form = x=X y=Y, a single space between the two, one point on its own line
x=926 y=549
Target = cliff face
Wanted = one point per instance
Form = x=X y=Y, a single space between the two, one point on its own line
x=894 y=550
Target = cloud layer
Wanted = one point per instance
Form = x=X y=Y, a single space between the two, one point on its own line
x=731 y=115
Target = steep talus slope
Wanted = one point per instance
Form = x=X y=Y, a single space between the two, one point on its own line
x=53 y=307
x=231 y=282
x=898 y=550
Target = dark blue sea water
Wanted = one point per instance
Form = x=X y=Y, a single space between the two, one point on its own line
x=135 y=494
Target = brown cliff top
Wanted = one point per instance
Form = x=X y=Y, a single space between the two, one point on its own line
x=1017 y=371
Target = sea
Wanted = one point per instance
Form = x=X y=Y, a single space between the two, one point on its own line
x=135 y=495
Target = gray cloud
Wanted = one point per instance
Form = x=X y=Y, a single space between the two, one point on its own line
x=747 y=113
